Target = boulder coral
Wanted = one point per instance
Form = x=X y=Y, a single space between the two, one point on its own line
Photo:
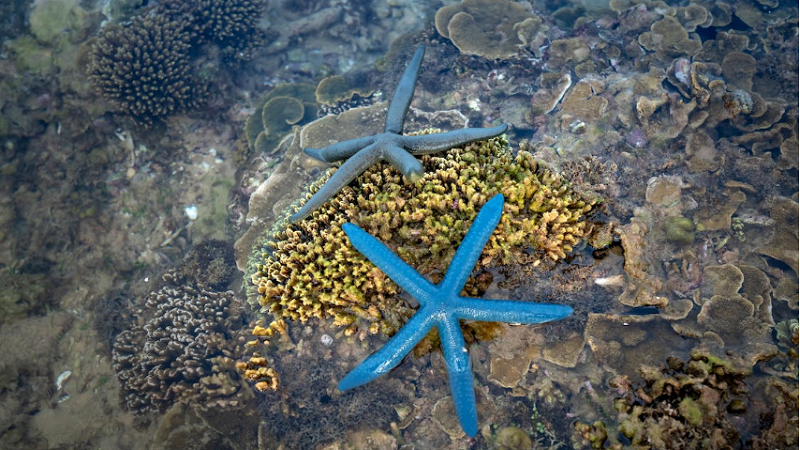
x=308 y=269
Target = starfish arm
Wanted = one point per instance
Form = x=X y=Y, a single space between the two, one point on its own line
x=340 y=150
x=346 y=173
x=390 y=355
x=509 y=311
x=471 y=247
x=459 y=371
x=405 y=162
x=424 y=144
x=403 y=94
x=395 y=268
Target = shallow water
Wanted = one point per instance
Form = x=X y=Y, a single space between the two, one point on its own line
x=128 y=311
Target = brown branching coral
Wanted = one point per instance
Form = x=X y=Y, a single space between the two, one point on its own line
x=309 y=269
x=184 y=351
x=144 y=70
x=230 y=24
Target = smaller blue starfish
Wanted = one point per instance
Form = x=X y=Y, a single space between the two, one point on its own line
x=390 y=145
x=442 y=307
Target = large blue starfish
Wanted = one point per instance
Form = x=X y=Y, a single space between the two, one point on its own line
x=442 y=307
x=390 y=145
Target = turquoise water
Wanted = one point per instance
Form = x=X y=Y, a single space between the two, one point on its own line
x=148 y=148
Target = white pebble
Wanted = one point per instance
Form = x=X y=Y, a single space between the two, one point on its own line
x=326 y=340
x=62 y=379
x=191 y=212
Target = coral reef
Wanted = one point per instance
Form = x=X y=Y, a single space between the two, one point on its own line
x=391 y=145
x=308 y=269
x=144 y=68
x=185 y=350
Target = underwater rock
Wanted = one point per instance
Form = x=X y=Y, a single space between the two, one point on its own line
x=641 y=288
x=717 y=216
x=583 y=100
x=562 y=51
x=665 y=193
x=512 y=438
x=508 y=372
x=564 y=353
x=622 y=344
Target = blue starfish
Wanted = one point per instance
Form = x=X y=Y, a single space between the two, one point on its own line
x=389 y=145
x=442 y=307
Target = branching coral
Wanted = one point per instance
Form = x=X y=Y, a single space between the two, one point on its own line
x=308 y=269
x=184 y=352
x=144 y=70
x=230 y=24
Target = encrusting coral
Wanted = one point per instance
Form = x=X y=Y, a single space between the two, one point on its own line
x=308 y=269
x=144 y=70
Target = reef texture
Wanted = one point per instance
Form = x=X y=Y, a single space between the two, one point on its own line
x=701 y=403
x=144 y=68
x=185 y=351
x=276 y=113
x=308 y=269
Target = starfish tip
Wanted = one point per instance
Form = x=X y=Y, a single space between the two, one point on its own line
x=414 y=176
